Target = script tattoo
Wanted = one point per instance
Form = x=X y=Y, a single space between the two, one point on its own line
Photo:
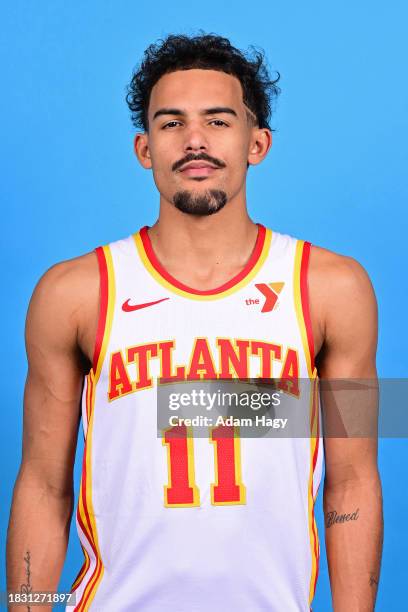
x=332 y=517
x=27 y=588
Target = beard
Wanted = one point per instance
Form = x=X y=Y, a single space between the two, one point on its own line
x=203 y=204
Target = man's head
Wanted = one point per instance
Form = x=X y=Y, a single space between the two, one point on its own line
x=200 y=102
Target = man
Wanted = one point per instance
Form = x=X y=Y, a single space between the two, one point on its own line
x=180 y=522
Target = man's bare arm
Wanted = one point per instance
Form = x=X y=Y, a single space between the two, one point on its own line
x=352 y=489
x=43 y=495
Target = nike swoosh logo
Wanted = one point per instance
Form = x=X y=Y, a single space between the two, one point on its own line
x=126 y=307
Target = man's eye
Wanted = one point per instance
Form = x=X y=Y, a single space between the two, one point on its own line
x=175 y=123
x=170 y=124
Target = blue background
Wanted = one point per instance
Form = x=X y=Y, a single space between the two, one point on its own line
x=334 y=176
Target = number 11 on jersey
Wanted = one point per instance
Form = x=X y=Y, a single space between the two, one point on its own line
x=227 y=488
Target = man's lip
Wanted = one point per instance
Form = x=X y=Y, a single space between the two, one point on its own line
x=197 y=164
x=202 y=171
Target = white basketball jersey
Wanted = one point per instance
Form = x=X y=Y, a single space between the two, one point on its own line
x=197 y=524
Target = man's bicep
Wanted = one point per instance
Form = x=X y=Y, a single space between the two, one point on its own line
x=347 y=367
x=54 y=383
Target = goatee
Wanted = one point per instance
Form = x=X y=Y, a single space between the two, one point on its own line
x=203 y=204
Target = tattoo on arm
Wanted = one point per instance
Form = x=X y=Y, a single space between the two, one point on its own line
x=27 y=588
x=332 y=518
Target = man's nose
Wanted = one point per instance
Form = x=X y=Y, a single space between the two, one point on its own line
x=195 y=140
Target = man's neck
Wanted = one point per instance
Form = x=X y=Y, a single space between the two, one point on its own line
x=203 y=252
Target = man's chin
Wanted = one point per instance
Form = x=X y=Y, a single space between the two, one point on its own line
x=202 y=204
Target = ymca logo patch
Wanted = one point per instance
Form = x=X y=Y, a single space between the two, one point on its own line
x=270 y=293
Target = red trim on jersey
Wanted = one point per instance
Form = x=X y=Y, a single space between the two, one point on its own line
x=305 y=300
x=316 y=415
x=87 y=529
x=98 y=569
x=315 y=454
x=256 y=253
x=317 y=556
x=82 y=571
x=85 y=566
x=103 y=308
x=317 y=574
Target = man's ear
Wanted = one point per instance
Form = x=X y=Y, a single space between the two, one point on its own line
x=142 y=151
x=260 y=143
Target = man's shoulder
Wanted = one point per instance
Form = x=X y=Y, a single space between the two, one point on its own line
x=327 y=266
x=70 y=275
x=66 y=293
x=337 y=271
x=79 y=274
x=341 y=294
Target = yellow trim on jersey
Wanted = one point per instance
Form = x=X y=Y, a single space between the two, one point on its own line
x=91 y=381
x=91 y=588
x=213 y=296
x=298 y=305
x=81 y=511
x=109 y=313
x=314 y=441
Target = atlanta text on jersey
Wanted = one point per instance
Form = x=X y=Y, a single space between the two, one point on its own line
x=230 y=360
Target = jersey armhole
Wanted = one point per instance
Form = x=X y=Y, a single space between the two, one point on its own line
x=301 y=291
x=106 y=304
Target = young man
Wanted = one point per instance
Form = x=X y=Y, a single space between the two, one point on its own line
x=186 y=523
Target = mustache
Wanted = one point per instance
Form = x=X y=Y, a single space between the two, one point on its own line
x=200 y=157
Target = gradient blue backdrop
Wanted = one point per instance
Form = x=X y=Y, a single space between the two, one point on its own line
x=335 y=174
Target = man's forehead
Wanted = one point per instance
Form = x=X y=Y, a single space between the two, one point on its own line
x=189 y=89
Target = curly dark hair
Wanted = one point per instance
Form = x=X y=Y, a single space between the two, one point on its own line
x=208 y=52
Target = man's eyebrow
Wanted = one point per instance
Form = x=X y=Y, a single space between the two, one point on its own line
x=216 y=110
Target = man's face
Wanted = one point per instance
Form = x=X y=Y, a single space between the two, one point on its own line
x=199 y=139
